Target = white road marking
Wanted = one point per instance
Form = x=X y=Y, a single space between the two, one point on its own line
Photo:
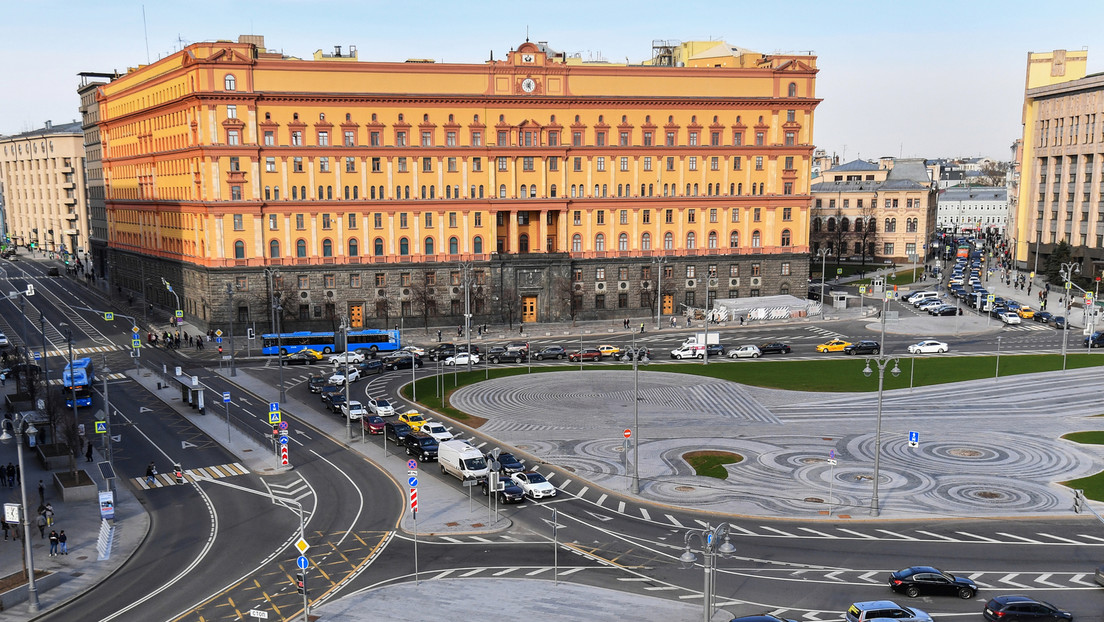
x=674 y=521
x=784 y=534
x=1085 y=535
x=506 y=571
x=645 y=513
x=1007 y=580
x=936 y=535
x=1043 y=579
x=471 y=572
x=819 y=533
x=601 y=499
x=571 y=570
x=974 y=535
x=1058 y=538
x=620 y=507
x=1012 y=535
x=582 y=491
x=537 y=571
x=1077 y=579
x=895 y=534
x=856 y=533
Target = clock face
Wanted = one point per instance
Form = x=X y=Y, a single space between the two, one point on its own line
x=528 y=85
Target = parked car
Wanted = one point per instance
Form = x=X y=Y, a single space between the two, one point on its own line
x=395 y=431
x=415 y=350
x=714 y=349
x=353 y=410
x=775 y=347
x=328 y=390
x=863 y=347
x=928 y=346
x=421 y=445
x=1026 y=313
x=946 y=310
x=608 y=350
x=315 y=383
x=927 y=581
x=586 y=354
x=462 y=358
x=347 y=357
x=510 y=493
x=438 y=431
x=441 y=351
x=1096 y=339
x=1013 y=608
x=351 y=374
x=752 y=352
x=381 y=406
x=508 y=464
x=498 y=354
x=401 y=360
x=834 y=345
x=518 y=345
x=869 y=610
x=372 y=424
x=335 y=401
x=1059 y=322
x=534 y=485
x=551 y=352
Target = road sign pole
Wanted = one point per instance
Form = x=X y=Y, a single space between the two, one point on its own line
x=228 y=439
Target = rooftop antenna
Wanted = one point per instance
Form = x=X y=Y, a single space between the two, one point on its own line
x=145 y=33
x=527 y=33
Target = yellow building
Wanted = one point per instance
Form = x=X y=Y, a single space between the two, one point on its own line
x=562 y=183
x=43 y=186
x=1061 y=156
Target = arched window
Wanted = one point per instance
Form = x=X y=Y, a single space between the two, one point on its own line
x=423 y=192
x=873 y=226
x=327 y=248
x=477 y=245
x=230 y=83
x=433 y=192
x=524 y=192
x=734 y=240
x=576 y=243
x=755 y=241
x=712 y=239
x=320 y=193
x=300 y=248
x=347 y=193
x=858 y=225
x=239 y=250
x=786 y=237
x=329 y=193
x=816 y=225
x=910 y=225
x=646 y=241
x=695 y=189
x=354 y=247
x=404 y=246
x=377 y=247
x=502 y=191
x=572 y=191
x=691 y=240
x=429 y=246
x=274 y=249
x=792 y=90
x=552 y=191
x=687 y=190
x=845 y=224
x=295 y=193
x=596 y=195
x=668 y=241
x=600 y=242
x=739 y=189
x=533 y=190
x=523 y=243
x=831 y=224
x=623 y=242
x=268 y=193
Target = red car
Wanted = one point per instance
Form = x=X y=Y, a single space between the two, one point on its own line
x=586 y=354
x=373 y=424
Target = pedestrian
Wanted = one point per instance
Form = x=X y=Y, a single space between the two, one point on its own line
x=41 y=493
x=438 y=335
x=41 y=521
x=4 y=526
x=151 y=472
x=687 y=321
x=63 y=541
x=521 y=328
x=88 y=454
x=642 y=328
x=53 y=542
x=741 y=320
x=479 y=331
x=49 y=514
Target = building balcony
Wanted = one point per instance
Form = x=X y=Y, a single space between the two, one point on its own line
x=69 y=201
x=68 y=185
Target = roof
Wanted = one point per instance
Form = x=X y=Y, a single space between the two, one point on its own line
x=847 y=186
x=975 y=193
x=909 y=169
x=855 y=165
x=64 y=128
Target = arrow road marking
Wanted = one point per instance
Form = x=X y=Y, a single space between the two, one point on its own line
x=1077 y=579
x=674 y=521
x=868 y=576
x=1007 y=580
x=974 y=578
x=601 y=517
x=186 y=444
x=143 y=409
x=1043 y=579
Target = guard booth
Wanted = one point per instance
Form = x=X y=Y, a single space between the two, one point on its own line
x=191 y=393
x=878 y=284
x=839 y=299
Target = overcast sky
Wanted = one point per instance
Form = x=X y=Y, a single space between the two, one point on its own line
x=920 y=79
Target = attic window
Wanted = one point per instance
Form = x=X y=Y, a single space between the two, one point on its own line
x=450 y=118
x=230 y=83
x=373 y=117
x=348 y=116
x=693 y=118
x=268 y=116
x=321 y=116
x=624 y=118
x=600 y=119
x=576 y=118
x=501 y=118
x=400 y=117
x=425 y=118
x=552 y=119
x=295 y=116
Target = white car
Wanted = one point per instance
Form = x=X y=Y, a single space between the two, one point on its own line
x=744 y=352
x=347 y=357
x=339 y=377
x=462 y=359
x=3 y=340
x=1010 y=317
x=534 y=485
x=928 y=346
x=930 y=302
x=437 y=431
x=415 y=349
x=381 y=407
x=353 y=410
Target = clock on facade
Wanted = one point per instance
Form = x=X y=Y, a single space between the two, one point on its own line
x=528 y=85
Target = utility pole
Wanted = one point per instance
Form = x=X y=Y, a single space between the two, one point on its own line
x=230 y=310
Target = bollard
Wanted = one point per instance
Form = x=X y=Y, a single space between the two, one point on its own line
x=158 y=386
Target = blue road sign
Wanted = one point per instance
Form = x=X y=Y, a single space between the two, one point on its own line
x=283 y=440
x=412 y=464
x=274 y=407
x=274 y=417
x=101 y=427
x=136 y=343
x=38 y=356
x=914 y=437
x=225 y=396
x=302 y=562
x=412 y=481
x=218 y=339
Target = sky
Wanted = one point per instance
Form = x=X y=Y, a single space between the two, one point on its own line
x=900 y=78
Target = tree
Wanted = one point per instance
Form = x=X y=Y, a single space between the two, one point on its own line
x=64 y=424
x=508 y=304
x=869 y=232
x=992 y=174
x=1060 y=255
x=563 y=289
x=422 y=299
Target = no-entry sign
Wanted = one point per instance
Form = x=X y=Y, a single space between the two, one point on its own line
x=628 y=433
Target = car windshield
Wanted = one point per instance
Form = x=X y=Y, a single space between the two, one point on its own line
x=375 y=419
x=475 y=464
x=436 y=428
x=415 y=418
x=383 y=404
x=536 y=478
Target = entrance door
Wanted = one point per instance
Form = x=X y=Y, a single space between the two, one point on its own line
x=668 y=304
x=356 y=316
x=528 y=308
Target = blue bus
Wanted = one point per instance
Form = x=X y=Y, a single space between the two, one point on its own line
x=329 y=342
x=78 y=376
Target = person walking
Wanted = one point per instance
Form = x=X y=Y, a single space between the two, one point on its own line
x=151 y=472
x=63 y=542
x=49 y=514
x=41 y=493
x=4 y=526
x=642 y=328
x=88 y=454
x=53 y=543
x=41 y=522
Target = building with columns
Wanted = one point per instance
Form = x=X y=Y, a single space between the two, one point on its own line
x=373 y=190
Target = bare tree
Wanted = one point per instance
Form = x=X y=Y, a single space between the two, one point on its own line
x=563 y=289
x=64 y=424
x=992 y=174
x=508 y=304
x=423 y=299
x=868 y=232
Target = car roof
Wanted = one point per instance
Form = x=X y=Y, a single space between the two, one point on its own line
x=877 y=604
x=1013 y=598
x=915 y=569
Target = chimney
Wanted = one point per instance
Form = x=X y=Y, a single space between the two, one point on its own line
x=49 y=124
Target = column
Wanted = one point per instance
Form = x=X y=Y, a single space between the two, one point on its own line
x=543 y=232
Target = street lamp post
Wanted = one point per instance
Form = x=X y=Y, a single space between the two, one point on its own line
x=277 y=310
x=659 y=262
x=19 y=426
x=1067 y=271
x=823 y=254
x=168 y=286
x=881 y=362
x=710 y=541
x=230 y=309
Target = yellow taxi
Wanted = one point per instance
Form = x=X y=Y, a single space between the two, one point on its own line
x=414 y=419
x=835 y=345
x=608 y=350
x=312 y=353
x=1026 y=313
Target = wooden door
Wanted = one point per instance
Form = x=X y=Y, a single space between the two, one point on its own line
x=529 y=309
x=668 y=304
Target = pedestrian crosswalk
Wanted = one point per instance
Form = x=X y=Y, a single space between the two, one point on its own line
x=164 y=480
x=111 y=376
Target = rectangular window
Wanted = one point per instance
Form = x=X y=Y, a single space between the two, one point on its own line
x=693 y=163
x=376 y=165
x=647 y=163
x=712 y=214
x=326 y=222
x=238 y=225
x=450 y=139
x=354 y=281
x=381 y=279
x=646 y=216
x=622 y=301
x=477 y=139
x=577 y=218
x=553 y=163
x=329 y=281
x=734 y=270
x=350 y=138
x=714 y=163
x=577 y=164
x=624 y=216
x=599 y=274
x=479 y=219
x=404 y=279
x=427 y=165
x=477 y=165
x=787 y=213
x=502 y=163
x=600 y=217
x=503 y=138
x=451 y=165
x=787 y=187
x=599 y=301
x=712 y=270
x=400 y=139
x=374 y=139
x=527 y=163
x=427 y=139
x=429 y=220
x=689 y=298
x=735 y=214
x=669 y=216
x=270 y=165
x=691 y=216
x=600 y=139
x=231 y=112
x=553 y=139
x=601 y=163
x=402 y=165
x=670 y=163
x=887 y=249
x=350 y=165
x=296 y=138
x=304 y=281
x=273 y=222
x=235 y=193
x=785 y=268
x=738 y=139
x=352 y=221
x=323 y=139
x=647 y=139
x=737 y=163
x=577 y=275
x=760 y=138
x=791 y=139
x=758 y=163
x=693 y=139
x=452 y=220
x=269 y=138
x=624 y=140
x=624 y=163
x=670 y=139
x=645 y=273
x=756 y=214
x=232 y=137
x=754 y=269
x=789 y=163
x=324 y=165
x=431 y=279
x=299 y=222
x=297 y=164
x=576 y=139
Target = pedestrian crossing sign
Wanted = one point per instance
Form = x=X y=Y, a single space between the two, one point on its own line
x=136 y=343
x=101 y=427
x=179 y=313
x=274 y=417
x=109 y=316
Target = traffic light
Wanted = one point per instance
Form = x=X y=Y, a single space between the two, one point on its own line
x=1078 y=500
x=300 y=583
x=220 y=349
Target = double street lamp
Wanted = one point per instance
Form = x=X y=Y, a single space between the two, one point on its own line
x=1066 y=271
x=20 y=425
x=711 y=546
x=823 y=254
x=881 y=362
x=277 y=310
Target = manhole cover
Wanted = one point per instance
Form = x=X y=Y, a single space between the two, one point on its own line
x=684 y=488
x=526 y=447
x=812 y=460
x=619 y=449
x=965 y=453
x=988 y=494
x=813 y=500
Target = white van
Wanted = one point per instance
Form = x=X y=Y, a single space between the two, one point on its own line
x=461 y=460
x=919 y=297
x=688 y=352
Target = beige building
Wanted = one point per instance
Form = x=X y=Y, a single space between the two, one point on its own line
x=42 y=178
x=884 y=210
x=1061 y=171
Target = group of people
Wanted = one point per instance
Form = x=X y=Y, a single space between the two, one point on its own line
x=9 y=476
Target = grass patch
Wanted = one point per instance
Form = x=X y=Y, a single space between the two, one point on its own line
x=711 y=463
x=1093 y=486
x=1093 y=437
x=902 y=277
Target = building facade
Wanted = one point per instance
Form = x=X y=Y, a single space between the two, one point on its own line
x=972 y=209
x=882 y=211
x=372 y=191
x=96 y=264
x=42 y=172
x=1061 y=170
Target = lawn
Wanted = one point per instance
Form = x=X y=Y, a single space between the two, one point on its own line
x=1093 y=485
x=903 y=277
x=711 y=463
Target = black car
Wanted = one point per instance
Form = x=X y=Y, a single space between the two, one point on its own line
x=316 y=383
x=1096 y=339
x=774 y=348
x=1042 y=316
x=401 y=361
x=508 y=464
x=370 y=366
x=714 y=349
x=441 y=351
x=1023 y=609
x=499 y=354
x=925 y=580
x=947 y=310
x=328 y=390
x=510 y=493
x=395 y=431
x=464 y=348
x=1059 y=322
x=335 y=402
x=551 y=352
x=421 y=445
x=298 y=358
x=863 y=347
